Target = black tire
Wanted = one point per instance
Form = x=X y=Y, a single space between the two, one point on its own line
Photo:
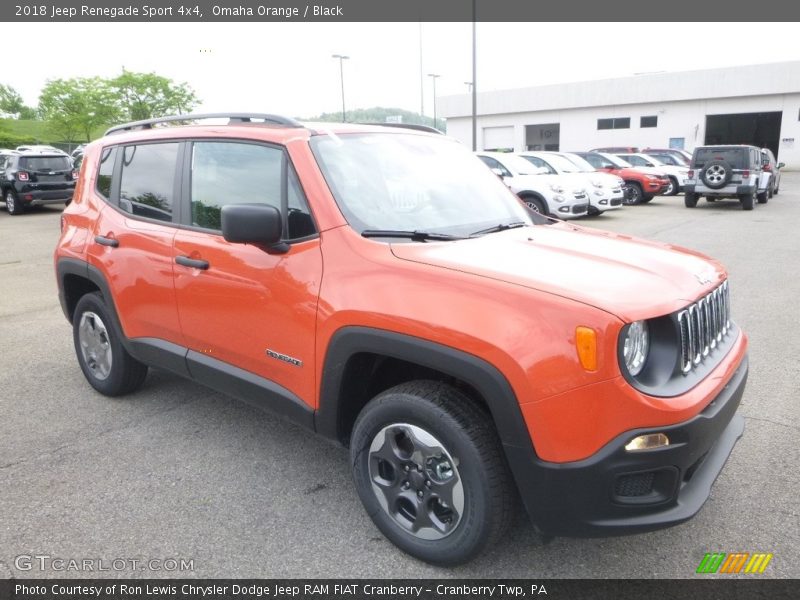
x=690 y=199
x=13 y=205
x=634 y=195
x=710 y=199
x=776 y=190
x=763 y=197
x=385 y=434
x=119 y=373
x=646 y=199
x=673 y=188
x=537 y=205
x=716 y=174
x=747 y=201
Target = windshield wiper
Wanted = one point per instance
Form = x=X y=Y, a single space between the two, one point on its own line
x=501 y=227
x=417 y=236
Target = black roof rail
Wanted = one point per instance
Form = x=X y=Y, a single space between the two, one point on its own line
x=232 y=118
x=425 y=128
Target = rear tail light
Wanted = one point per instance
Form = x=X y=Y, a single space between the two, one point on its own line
x=23 y=176
x=63 y=222
x=745 y=173
x=691 y=174
x=74 y=174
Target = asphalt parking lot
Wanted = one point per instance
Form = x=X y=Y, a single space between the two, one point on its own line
x=178 y=471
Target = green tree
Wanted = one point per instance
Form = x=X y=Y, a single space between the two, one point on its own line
x=78 y=106
x=147 y=95
x=10 y=100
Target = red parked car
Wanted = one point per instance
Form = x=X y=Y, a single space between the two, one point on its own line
x=640 y=186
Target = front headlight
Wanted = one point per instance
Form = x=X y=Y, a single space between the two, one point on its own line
x=652 y=178
x=558 y=189
x=636 y=346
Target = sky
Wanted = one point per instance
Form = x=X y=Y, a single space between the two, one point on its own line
x=287 y=68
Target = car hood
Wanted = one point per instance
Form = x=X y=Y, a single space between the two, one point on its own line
x=628 y=277
x=543 y=182
x=649 y=170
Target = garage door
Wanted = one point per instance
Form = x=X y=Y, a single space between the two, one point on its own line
x=498 y=138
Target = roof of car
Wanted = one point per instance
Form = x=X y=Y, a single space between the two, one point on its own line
x=280 y=129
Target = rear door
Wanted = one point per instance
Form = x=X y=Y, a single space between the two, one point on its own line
x=132 y=240
x=247 y=310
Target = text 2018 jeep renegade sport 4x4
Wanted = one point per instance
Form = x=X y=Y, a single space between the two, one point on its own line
x=383 y=288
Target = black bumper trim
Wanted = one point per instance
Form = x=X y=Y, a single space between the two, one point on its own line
x=578 y=498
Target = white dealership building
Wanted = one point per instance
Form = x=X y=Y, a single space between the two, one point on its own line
x=754 y=104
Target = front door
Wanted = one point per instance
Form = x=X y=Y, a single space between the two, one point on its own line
x=243 y=307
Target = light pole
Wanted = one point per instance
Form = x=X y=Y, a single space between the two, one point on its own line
x=341 y=58
x=434 y=77
x=469 y=86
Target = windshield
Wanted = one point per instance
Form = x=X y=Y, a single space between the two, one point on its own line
x=583 y=165
x=517 y=164
x=561 y=164
x=621 y=164
x=407 y=182
x=45 y=163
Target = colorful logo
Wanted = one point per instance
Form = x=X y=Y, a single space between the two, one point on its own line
x=735 y=562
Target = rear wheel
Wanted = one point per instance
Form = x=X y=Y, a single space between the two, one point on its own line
x=690 y=199
x=104 y=361
x=13 y=205
x=747 y=201
x=763 y=197
x=430 y=471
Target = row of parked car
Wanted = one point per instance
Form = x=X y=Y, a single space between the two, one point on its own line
x=573 y=184
x=37 y=175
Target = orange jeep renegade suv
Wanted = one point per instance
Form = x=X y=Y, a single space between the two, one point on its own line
x=383 y=288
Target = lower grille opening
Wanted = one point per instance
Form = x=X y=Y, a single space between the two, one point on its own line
x=646 y=487
x=634 y=486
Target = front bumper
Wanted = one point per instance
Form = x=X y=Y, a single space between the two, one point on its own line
x=616 y=492
x=606 y=199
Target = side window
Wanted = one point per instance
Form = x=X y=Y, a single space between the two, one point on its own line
x=148 y=177
x=596 y=161
x=239 y=173
x=494 y=164
x=105 y=171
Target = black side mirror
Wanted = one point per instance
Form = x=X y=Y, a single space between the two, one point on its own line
x=781 y=165
x=259 y=224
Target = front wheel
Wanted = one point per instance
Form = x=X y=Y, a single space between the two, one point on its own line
x=536 y=205
x=430 y=471
x=634 y=195
x=104 y=361
x=672 y=188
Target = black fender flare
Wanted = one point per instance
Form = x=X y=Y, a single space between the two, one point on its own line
x=482 y=376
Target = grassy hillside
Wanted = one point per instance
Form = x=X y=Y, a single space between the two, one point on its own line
x=34 y=132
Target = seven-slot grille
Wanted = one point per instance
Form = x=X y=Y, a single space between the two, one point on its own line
x=703 y=325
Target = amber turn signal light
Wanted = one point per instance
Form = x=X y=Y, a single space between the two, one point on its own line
x=586 y=344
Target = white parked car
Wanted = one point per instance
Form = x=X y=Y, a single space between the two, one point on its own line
x=605 y=191
x=542 y=192
x=677 y=175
